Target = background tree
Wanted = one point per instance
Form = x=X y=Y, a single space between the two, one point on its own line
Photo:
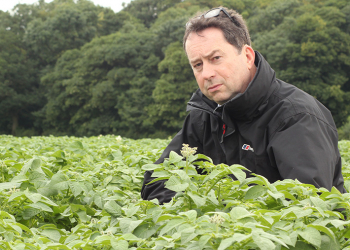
x=307 y=45
x=70 y=67
x=19 y=89
x=105 y=86
x=172 y=91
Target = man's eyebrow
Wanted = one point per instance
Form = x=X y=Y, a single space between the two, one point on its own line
x=206 y=56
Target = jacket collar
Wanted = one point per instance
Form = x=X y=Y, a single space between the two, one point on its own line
x=244 y=106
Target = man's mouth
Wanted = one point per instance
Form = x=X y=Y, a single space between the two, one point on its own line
x=214 y=87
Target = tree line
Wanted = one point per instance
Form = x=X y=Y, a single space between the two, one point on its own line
x=72 y=68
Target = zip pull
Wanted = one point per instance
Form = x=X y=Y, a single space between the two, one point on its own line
x=223 y=133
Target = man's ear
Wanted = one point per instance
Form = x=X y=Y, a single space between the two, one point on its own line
x=250 y=55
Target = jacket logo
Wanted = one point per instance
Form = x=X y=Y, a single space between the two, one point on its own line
x=247 y=147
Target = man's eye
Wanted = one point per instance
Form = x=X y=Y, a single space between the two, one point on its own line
x=216 y=58
x=197 y=65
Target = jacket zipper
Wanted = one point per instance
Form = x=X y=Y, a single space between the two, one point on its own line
x=212 y=112
x=223 y=133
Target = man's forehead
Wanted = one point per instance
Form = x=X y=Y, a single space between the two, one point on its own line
x=205 y=44
x=208 y=33
x=195 y=57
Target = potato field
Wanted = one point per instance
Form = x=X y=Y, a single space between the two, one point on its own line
x=84 y=193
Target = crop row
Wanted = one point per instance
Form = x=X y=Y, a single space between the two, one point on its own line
x=84 y=193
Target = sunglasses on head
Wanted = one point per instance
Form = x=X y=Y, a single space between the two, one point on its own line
x=216 y=12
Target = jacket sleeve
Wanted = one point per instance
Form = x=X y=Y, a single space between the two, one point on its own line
x=306 y=148
x=190 y=134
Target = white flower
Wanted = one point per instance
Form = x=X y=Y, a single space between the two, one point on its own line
x=187 y=151
x=217 y=219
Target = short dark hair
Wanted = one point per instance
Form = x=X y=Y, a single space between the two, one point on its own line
x=236 y=33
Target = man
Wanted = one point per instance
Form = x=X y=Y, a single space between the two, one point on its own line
x=242 y=114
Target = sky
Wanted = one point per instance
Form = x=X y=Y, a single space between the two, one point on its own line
x=115 y=5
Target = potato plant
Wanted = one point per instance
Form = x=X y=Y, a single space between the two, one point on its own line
x=84 y=193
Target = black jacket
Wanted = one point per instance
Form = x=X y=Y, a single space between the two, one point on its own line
x=274 y=129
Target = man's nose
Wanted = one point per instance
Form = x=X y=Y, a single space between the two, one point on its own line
x=208 y=71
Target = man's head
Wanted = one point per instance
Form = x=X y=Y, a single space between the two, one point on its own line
x=218 y=47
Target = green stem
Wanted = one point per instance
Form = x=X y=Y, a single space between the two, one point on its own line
x=219 y=194
x=186 y=165
x=211 y=187
x=2 y=172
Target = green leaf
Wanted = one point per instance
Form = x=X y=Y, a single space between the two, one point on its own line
x=157 y=179
x=16 y=195
x=36 y=176
x=203 y=240
x=145 y=231
x=239 y=213
x=83 y=216
x=339 y=223
x=77 y=147
x=187 y=235
x=191 y=215
x=30 y=212
x=300 y=213
x=174 y=183
x=165 y=217
x=236 y=170
x=182 y=174
x=263 y=243
x=174 y=157
x=31 y=164
x=128 y=225
x=149 y=167
x=300 y=245
x=323 y=229
x=199 y=201
x=58 y=178
x=9 y=185
x=212 y=175
x=17 y=228
x=317 y=202
x=273 y=238
x=59 y=154
x=120 y=245
x=52 y=234
x=34 y=197
x=312 y=236
x=41 y=206
x=113 y=208
x=76 y=188
x=328 y=244
x=212 y=197
x=275 y=194
x=204 y=157
x=255 y=192
x=170 y=225
x=237 y=237
x=131 y=210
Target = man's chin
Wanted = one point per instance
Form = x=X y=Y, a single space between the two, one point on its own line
x=220 y=102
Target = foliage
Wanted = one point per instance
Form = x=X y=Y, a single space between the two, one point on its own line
x=344 y=131
x=19 y=89
x=172 y=90
x=307 y=44
x=84 y=193
x=102 y=83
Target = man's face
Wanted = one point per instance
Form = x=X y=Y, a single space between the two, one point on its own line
x=220 y=70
